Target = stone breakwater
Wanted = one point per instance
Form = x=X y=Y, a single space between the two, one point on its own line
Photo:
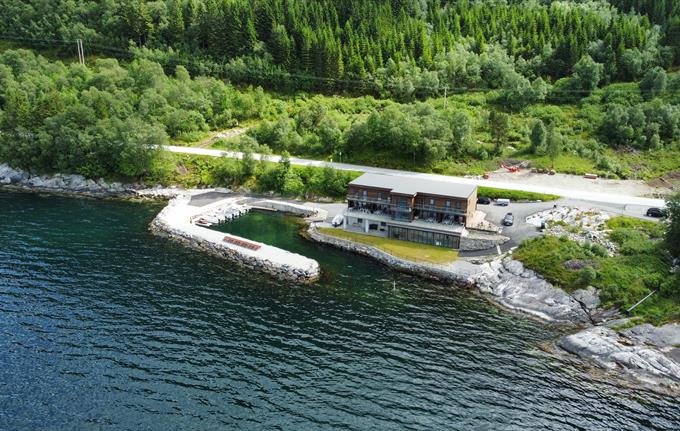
x=174 y=221
x=77 y=184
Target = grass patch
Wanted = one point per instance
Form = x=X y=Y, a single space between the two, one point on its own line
x=397 y=248
x=565 y=164
x=652 y=229
x=641 y=267
x=514 y=195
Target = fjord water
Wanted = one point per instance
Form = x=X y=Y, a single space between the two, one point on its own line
x=105 y=326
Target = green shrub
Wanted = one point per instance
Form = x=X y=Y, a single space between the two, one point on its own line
x=653 y=229
x=631 y=241
x=622 y=280
x=599 y=250
x=587 y=276
x=514 y=195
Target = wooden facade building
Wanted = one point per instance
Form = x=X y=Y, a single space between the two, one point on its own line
x=411 y=209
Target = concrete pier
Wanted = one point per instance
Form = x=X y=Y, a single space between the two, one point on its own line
x=176 y=221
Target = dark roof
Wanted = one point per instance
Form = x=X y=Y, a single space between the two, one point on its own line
x=410 y=186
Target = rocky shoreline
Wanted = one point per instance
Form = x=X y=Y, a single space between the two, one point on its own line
x=18 y=179
x=643 y=354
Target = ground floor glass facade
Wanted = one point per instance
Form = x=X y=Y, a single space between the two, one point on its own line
x=424 y=237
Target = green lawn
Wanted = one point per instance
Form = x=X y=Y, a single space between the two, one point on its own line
x=402 y=249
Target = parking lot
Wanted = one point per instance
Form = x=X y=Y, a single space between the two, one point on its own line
x=520 y=230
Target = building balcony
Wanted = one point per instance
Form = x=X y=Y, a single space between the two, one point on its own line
x=443 y=210
x=359 y=198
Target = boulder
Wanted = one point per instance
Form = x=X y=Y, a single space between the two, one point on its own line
x=663 y=336
x=75 y=182
x=587 y=297
x=37 y=182
x=91 y=186
x=9 y=175
x=514 y=267
x=116 y=187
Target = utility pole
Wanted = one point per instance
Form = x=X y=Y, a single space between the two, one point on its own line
x=81 y=51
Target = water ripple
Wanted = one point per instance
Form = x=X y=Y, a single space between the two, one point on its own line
x=103 y=326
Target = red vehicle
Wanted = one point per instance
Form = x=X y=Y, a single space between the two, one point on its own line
x=511 y=169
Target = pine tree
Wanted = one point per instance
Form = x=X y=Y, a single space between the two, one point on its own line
x=175 y=29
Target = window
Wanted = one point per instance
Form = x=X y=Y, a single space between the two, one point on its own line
x=431 y=201
x=423 y=237
x=379 y=195
x=458 y=205
x=448 y=204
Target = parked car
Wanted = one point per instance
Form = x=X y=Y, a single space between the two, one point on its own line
x=656 y=212
x=483 y=201
x=508 y=220
x=503 y=202
x=337 y=220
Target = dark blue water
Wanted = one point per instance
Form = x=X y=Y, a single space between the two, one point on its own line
x=104 y=326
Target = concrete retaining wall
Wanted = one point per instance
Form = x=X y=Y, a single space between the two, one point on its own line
x=427 y=271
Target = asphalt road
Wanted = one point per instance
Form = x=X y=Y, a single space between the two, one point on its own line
x=569 y=193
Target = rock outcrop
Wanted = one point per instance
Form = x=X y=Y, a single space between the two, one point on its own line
x=509 y=284
x=78 y=184
x=646 y=353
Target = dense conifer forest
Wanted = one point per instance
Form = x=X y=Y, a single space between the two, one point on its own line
x=401 y=48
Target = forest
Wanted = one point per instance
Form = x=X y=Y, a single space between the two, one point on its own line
x=454 y=86
x=403 y=49
x=109 y=121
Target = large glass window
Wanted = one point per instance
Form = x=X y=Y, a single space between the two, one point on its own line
x=424 y=237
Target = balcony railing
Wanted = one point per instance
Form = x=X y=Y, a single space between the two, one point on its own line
x=385 y=202
x=438 y=209
x=360 y=198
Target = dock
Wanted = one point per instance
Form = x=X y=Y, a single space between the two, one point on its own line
x=189 y=224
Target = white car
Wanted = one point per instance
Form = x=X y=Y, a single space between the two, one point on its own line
x=337 y=220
